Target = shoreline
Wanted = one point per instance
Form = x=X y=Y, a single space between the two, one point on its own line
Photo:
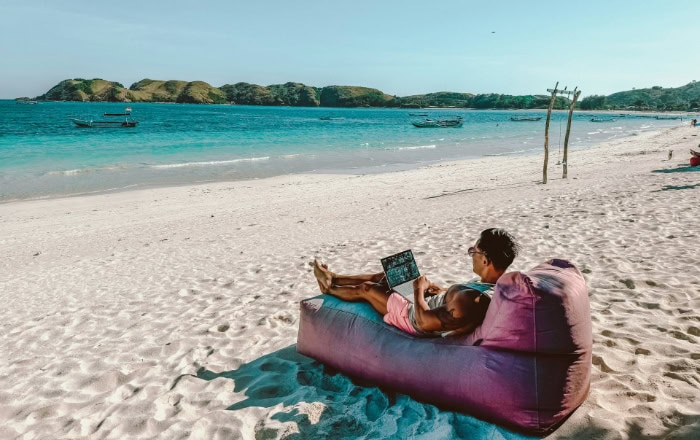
x=352 y=171
x=173 y=310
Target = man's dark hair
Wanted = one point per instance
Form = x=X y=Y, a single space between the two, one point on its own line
x=499 y=247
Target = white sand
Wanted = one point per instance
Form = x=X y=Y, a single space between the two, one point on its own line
x=111 y=304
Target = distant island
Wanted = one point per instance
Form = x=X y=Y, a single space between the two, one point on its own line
x=684 y=98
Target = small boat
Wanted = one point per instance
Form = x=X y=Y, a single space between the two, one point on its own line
x=417 y=114
x=451 y=122
x=85 y=123
x=106 y=123
x=425 y=124
x=602 y=119
x=525 y=118
x=443 y=123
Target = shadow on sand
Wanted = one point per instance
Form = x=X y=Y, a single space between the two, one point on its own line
x=679 y=169
x=319 y=402
x=308 y=400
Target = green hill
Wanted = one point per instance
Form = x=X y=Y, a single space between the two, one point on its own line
x=349 y=96
x=85 y=90
x=657 y=98
x=199 y=92
x=439 y=99
x=296 y=94
x=685 y=98
x=148 y=90
x=250 y=94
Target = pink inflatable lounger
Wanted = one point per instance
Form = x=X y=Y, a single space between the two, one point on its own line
x=527 y=367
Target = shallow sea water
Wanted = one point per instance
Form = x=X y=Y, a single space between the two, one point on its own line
x=43 y=154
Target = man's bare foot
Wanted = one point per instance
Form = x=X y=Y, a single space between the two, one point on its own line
x=324 y=277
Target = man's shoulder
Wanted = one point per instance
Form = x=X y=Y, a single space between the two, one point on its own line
x=476 y=285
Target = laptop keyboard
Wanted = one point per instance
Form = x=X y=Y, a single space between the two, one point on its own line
x=405 y=289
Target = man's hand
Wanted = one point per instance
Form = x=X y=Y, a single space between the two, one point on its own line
x=421 y=284
x=433 y=289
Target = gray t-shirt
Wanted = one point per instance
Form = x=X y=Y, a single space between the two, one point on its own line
x=436 y=301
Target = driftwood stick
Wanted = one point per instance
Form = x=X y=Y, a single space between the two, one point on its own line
x=565 y=163
x=546 y=133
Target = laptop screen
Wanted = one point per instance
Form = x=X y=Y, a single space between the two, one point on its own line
x=400 y=268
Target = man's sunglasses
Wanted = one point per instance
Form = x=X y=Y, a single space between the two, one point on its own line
x=472 y=250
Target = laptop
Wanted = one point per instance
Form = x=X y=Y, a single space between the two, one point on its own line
x=400 y=271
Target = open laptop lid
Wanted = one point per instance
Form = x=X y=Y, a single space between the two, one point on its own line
x=400 y=268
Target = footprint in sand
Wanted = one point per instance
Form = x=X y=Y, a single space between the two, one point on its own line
x=687 y=378
x=377 y=405
x=276 y=367
x=642 y=397
x=627 y=282
x=309 y=377
x=334 y=384
x=280 y=389
x=680 y=335
x=348 y=427
x=600 y=363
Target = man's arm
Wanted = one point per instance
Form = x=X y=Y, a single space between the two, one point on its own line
x=443 y=318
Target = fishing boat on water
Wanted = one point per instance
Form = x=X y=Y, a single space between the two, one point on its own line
x=439 y=123
x=90 y=123
x=602 y=119
x=425 y=123
x=451 y=122
x=525 y=118
x=107 y=123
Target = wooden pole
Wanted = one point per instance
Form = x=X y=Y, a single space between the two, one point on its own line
x=546 y=133
x=568 y=129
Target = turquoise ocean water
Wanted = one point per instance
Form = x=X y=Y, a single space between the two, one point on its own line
x=42 y=154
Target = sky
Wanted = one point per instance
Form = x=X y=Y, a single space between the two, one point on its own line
x=402 y=47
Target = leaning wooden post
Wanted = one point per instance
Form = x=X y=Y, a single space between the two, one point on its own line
x=568 y=129
x=546 y=133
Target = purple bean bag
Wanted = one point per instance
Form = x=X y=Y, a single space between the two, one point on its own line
x=527 y=367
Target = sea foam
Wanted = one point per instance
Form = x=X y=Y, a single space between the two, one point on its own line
x=209 y=163
x=418 y=147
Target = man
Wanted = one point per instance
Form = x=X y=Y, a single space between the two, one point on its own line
x=458 y=310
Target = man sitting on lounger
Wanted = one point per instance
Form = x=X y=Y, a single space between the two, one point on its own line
x=457 y=310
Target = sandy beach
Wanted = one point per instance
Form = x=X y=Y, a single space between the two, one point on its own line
x=172 y=312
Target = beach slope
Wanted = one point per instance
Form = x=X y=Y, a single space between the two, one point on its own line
x=172 y=312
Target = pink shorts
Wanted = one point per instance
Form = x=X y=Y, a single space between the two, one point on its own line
x=397 y=313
